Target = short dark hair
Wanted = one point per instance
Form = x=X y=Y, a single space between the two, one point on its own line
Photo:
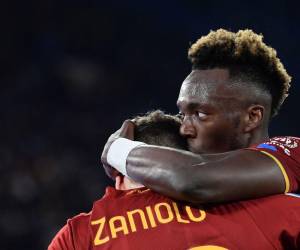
x=245 y=51
x=158 y=128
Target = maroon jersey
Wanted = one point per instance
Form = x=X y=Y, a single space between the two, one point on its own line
x=143 y=219
x=285 y=151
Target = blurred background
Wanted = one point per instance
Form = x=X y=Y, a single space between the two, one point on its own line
x=72 y=71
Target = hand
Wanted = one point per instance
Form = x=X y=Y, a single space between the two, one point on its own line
x=126 y=131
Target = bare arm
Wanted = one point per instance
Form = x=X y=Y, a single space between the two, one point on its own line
x=182 y=175
x=236 y=175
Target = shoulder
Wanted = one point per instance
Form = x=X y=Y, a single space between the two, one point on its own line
x=277 y=216
x=283 y=144
x=74 y=234
x=281 y=208
x=79 y=221
x=62 y=240
x=285 y=151
x=281 y=204
x=287 y=143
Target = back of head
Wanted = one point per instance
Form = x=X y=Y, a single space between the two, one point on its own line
x=248 y=59
x=160 y=129
x=155 y=128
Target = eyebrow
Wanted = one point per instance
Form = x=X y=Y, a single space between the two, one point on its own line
x=192 y=105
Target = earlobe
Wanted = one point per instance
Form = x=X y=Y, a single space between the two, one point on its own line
x=254 y=118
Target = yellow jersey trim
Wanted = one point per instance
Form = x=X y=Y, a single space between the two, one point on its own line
x=285 y=176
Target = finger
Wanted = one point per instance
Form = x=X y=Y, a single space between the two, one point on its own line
x=110 y=172
x=127 y=130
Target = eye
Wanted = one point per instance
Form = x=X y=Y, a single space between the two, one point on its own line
x=201 y=115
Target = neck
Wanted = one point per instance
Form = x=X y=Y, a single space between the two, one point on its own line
x=125 y=183
x=259 y=137
x=131 y=184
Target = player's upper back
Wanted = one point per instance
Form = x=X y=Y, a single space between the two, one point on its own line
x=278 y=217
x=142 y=219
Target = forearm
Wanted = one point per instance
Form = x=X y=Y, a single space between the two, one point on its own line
x=199 y=179
x=168 y=171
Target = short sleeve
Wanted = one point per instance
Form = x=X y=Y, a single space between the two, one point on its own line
x=285 y=151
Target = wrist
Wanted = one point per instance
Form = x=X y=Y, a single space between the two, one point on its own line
x=118 y=153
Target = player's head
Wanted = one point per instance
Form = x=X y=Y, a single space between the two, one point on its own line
x=236 y=85
x=160 y=129
x=155 y=128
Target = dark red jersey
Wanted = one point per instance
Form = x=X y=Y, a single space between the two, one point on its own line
x=285 y=151
x=143 y=219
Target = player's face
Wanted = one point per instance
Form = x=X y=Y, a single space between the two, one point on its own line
x=211 y=112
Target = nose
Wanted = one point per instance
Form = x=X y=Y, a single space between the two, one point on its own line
x=187 y=128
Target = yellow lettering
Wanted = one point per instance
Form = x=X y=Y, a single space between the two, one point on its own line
x=170 y=216
x=163 y=212
x=150 y=216
x=208 y=247
x=98 y=240
x=192 y=217
x=178 y=216
x=131 y=220
x=122 y=227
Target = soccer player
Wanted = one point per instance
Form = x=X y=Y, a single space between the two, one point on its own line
x=134 y=217
x=236 y=86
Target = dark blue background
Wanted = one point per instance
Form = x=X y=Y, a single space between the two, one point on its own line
x=72 y=71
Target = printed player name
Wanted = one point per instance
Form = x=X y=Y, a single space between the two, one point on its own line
x=146 y=218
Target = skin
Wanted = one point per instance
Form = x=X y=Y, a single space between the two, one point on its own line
x=211 y=104
x=125 y=183
x=220 y=117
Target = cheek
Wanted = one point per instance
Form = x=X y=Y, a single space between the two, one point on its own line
x=206 y=133
x=217 y=135
x=213 y=134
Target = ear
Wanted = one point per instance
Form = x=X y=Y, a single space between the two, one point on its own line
x=119 y=182
x=254 y=117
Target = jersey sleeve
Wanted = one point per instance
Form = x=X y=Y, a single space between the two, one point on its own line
x=285 y=151
x=62 y=240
